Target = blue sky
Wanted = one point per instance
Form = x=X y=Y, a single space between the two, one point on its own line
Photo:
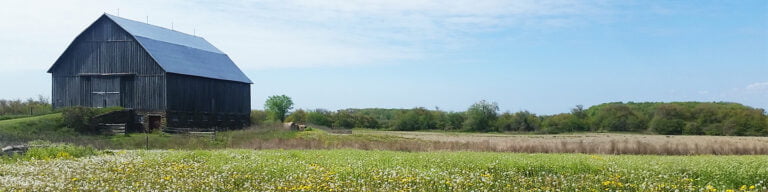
x=542 y=56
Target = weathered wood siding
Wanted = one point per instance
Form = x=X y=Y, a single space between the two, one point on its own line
x=105 y=66
x=203 y=102
x=105 y=48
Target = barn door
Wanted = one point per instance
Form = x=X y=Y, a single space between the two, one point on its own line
x=105 y=91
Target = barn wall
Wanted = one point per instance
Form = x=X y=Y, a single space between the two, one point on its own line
x=105 y=48
x=203 y=102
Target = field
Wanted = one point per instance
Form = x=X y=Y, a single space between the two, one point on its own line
x=271 y=159
x=601 y=143
x=356 y=170
x=46 y=127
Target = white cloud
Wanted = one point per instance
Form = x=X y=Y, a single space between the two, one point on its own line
x=294 y=33
x=758 y=86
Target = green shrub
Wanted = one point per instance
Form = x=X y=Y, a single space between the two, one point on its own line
x=416 y=119
x=79 y=118
x=693 y=128
x=667 y=126
x=320 y=117
x=481 y=116
x=258 y=117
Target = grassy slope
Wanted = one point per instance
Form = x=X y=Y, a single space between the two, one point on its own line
x=17 y=121
x=32 y=128
x=8 y=117
x=355 y=170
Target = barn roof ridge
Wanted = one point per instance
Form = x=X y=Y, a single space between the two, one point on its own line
x=137 y=28
x=181 y=53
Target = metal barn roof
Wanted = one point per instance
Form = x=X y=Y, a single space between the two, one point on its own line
x=181 y=53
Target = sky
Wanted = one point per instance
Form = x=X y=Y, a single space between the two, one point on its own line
x=544 y=56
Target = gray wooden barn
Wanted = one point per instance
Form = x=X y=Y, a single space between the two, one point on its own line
x=171 y=79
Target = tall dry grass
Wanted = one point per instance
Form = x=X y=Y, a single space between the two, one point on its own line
x=275 y=138
x=590 y=144
x=614 y=147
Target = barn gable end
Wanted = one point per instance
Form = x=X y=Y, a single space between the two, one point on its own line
x=105 y=58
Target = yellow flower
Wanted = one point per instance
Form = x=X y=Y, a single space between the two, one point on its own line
x=64 y=155
x=729 y=190
x=74 y=179
x=743 y=187
x=751 y=187
x=710 y=188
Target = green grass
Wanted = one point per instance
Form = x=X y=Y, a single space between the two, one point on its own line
x=43 y=150
x=17 y=121
x=355 y=170
x=48 y=127
x=183 y=141
x=233 y=139
x=8 y=117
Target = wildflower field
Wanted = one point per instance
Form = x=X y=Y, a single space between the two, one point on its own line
x=359 y=170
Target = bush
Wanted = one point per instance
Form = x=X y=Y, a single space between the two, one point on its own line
x=298 y=116
x=79 y=118
x=454 y=120
x=415 y=119
x=20 y=108
x=258 y=117
x=343 y=119
x=667 y=126
x=618 y=117
x=320 y=117
x=481 y=116
x=559 y=123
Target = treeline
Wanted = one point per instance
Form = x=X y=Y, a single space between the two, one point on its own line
x=688 y=118
x=677 y=118
x=20 y=108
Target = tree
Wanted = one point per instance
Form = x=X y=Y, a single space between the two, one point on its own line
x=580 y=120
x=416 y=119
x=481 y=116
x=579 y=112
x=343 y=119
x=365 y=121
x=320 y=117
x=505 y=122
x=525 y=121
x=454 y=120
x=564 y=122
x=277 y=106
x=298 y=116
x=669 y=119
x=667 y=126
x=617 y=117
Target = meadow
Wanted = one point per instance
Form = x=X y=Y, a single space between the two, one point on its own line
x=358 y=170
x=273 y=159
x=48 y=127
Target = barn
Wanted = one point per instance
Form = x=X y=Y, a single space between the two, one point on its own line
x=168 y=78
